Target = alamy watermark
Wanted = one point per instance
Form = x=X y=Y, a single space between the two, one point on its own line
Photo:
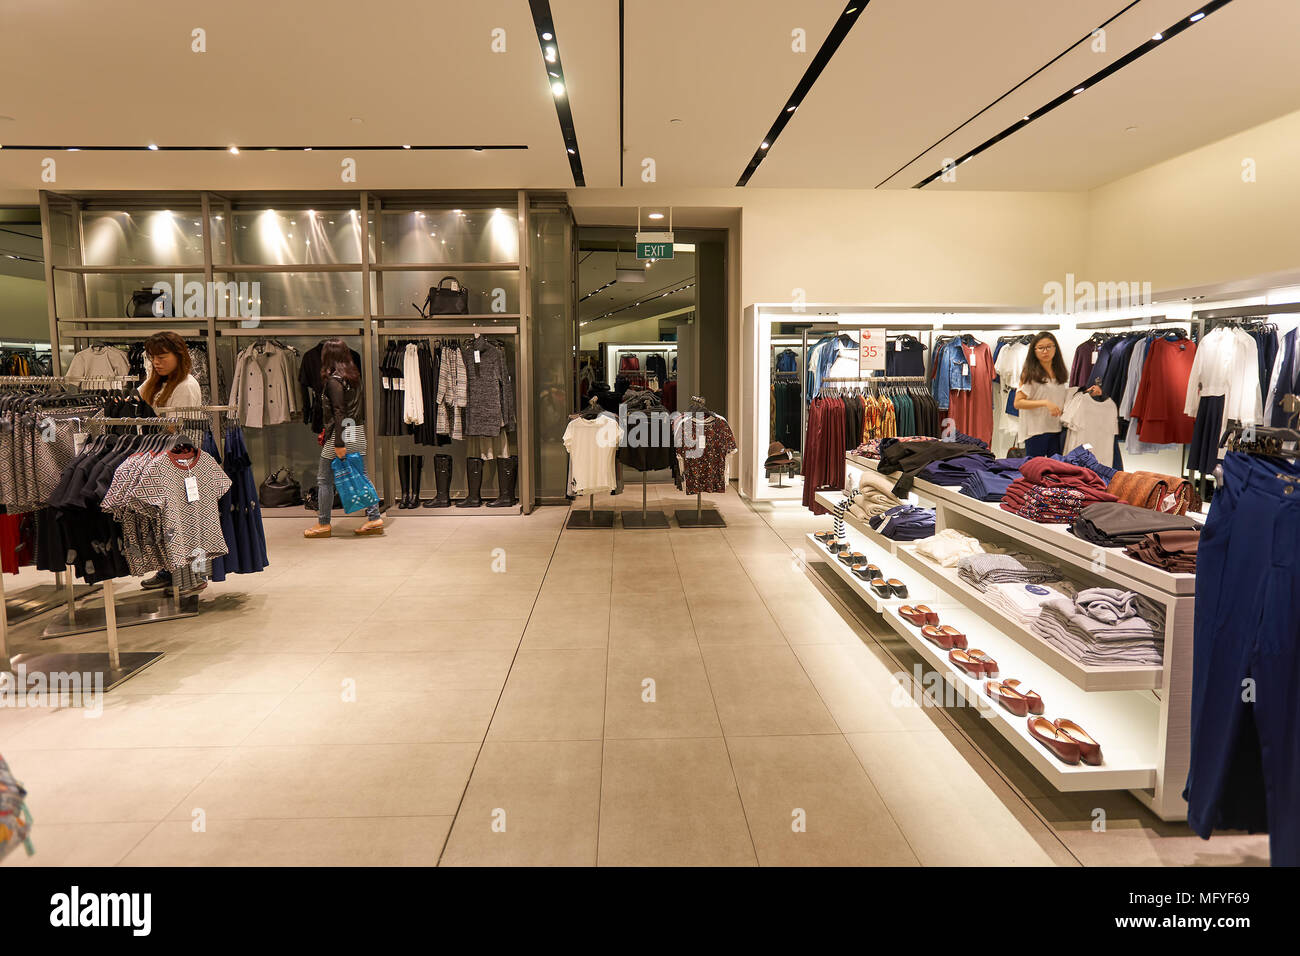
x=23 y=690
x=198 y=300
x=1063 y=298
x=653 y=429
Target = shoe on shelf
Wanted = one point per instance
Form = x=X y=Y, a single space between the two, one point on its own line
x=920 y=615
x=975 y=663
x=852 y=557
x=944 y=636
x=1020 y=703
x=898 y=588
x=1089 y=749
x=1057 y=741
x=881 y=589
x=824 y=537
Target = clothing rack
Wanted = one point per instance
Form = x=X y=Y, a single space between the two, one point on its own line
x=138 y=609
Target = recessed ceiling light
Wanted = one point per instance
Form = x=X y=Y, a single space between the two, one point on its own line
x=557 y=89
x=1158 y=36
x=356 y=119
x=675 y=121
x=306 y=149
x=765 y=145
x=572 y=151
x=553 y=73
x=1196 y=16
x=546 y=36
x=153 y=146
x=235 y=150
x=1024 y=119
x=656 y=215
x=550 y=54
x=74 y=149
x=789 y=109
x=1078 y=91
x=406 y=146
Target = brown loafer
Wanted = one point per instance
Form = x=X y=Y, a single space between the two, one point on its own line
x=1089 y=749
x=1061 y=746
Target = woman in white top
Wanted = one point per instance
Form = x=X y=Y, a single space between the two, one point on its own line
x=1044 y=384
x=169 y=384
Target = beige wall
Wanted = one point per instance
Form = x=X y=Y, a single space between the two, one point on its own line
x=1192 y=221
x=23 y=309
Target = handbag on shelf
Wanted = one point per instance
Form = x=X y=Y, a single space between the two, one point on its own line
x=355 y=490
x=446 y=301
x=280 y=489
x=148 y=304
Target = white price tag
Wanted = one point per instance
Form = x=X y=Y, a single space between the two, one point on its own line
x=972 y=360
x=78 y=439
x=191 y=488
x=1087 y=446
x=898 y=345
x=476 y=358
x=1096 y=354
x=965 y=369
x=388 y=384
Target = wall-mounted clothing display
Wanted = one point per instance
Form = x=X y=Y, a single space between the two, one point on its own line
x=905 y=356
x=264 y=390
x=787 y=410
x=18 y=360
x=787 y=360
x=1162 y=392
x=962 y=382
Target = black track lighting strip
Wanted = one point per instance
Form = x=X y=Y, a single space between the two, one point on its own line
x=1133 y=55
x=976 y=116
x=250 y=149
x=839 y=30
x=554 y=70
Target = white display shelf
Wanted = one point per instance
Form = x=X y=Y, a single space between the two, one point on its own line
x=1085 y=676
x=1052 y=539
x=1124 y=723
x=887 y=563
x=829 y=501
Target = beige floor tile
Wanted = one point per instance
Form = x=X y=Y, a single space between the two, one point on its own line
x=587 y=631
x=433 y=671
x=399 y=636
x=372 y=780
x=452 y=606
x=553 y=695
x=861 y=692
x=948 y=814
x=231 y=673
x=380 y=716
x=763 y=691
x=809 y=803
x=682 y=704
x=649 y=620
x=162 y=720
x=373 y=841
x=671 y=803
x=130 y=784
x=720 y=619
x=80 y=844
x=530 y=803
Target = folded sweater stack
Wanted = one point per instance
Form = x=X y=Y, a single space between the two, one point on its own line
x=981 y=571
x=1104 y=626
x=1173 y=551
x=1053 y=491
x=873 y=495
x=1023 y=602
x=1115 y=524
x=948 y=547
x=905 y=523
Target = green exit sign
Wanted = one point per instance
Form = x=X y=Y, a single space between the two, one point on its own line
x=654 y=245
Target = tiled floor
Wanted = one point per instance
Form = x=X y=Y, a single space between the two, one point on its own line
x=499 y=690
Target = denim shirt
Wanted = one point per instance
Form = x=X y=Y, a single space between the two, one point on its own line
x=952 y=372
x=829 y=351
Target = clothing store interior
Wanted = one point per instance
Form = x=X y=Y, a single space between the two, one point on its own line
x=832 y=423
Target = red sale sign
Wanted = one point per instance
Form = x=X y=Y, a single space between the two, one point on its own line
x=871 y=350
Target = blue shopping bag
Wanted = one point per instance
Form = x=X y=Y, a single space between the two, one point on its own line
x=356 y=491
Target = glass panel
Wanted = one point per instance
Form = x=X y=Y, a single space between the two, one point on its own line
x=158 y=237
x=296 y=236
x=552 y=325
x=109 y=296
x=451 y=235
x=297 y=293
x=489 y=291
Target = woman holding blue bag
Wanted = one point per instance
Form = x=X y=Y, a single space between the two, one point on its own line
x=344 y=410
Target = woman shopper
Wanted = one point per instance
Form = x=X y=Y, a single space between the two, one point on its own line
x=170 y=384
x=343 y=414
x=1044 y=384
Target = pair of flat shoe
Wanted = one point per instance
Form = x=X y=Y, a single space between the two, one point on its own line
x=974 y=662
x=1066 y=740
x=1009 y=694
x=944 y=635
x=887 y=589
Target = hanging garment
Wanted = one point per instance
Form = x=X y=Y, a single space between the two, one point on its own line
x=452 y=394
x=98 y=361
x=823 y=455
x=238 y=510
x=1162 y=393
x=413 y=392
x=264 y=391
x=1284 y=380
x=1244 y=773
x=704 y=469
x=1090 y=421
x=592 y=444
x=971 y=408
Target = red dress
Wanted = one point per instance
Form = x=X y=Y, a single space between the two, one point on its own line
x=972 y=411
x=1161 y=392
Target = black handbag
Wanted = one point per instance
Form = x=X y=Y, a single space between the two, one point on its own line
x=444 y=301
x=148 y=304
x=280 y=489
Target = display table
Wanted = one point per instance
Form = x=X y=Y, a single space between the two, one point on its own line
x=1140 y=714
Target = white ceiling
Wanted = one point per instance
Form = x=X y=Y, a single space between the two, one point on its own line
x=78 y=72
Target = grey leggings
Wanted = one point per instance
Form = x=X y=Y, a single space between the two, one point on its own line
x=325 y=491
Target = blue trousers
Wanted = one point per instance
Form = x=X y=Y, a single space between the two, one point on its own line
x=1245 y=755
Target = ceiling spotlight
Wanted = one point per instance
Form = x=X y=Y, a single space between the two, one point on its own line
x=546 y=36
x=1158 y=36
x=765 y=146
x=153 y=146
x=789 y=109
x=550 y=54
x=234 y=150
x=656 y=215
x=850 y=10
x=557 y=89
x=572 y=151
x=553 y=73
x=1024 y=119
x=1196 y=16
x=306 y=149
x=406 y=146
x=1078 y=91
